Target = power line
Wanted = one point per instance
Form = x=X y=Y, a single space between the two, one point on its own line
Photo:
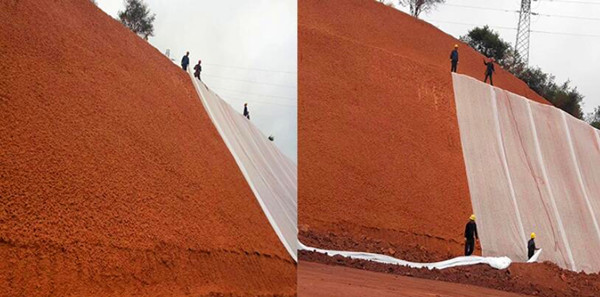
x=567 y=34
x=565 y=16
x=510 y=28
x=251 y=69
x=533 y=13
x=469 y=24
x=483 y=8
x=257 y=101
x=254 y=94
x=249 y=81
x=574 y=2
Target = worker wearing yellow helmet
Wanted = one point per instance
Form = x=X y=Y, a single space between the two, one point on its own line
x=454 y=58
x=531 y=246
x=470 y=236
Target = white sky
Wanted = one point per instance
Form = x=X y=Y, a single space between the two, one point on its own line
x=565 y=56
x=256 y=40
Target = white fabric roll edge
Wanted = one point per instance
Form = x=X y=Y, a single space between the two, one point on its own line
x=494 y=262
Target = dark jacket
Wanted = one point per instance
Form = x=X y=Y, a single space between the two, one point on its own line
x=454 y=55
x=198 y=68
x=185 y=61
x=246 y=112
x=471 y=230
x=490 y=67
x=530 y=248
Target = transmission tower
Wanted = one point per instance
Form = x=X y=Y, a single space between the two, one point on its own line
x=523 y=30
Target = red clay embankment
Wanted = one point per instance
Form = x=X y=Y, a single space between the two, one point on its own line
x=381 y=165
x=113 y=180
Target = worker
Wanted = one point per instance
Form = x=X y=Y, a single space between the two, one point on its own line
x=185 y=61
x=197 y=69
x=489 y=70
x=454 y=58
x=470 y=236
x=531 y=246
x=246 y=112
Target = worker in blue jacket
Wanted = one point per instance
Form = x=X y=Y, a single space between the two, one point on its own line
x=185 y=61
x=454 y=58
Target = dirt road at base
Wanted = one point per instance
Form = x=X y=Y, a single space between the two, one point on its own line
x=539 y=279
x=320 y=280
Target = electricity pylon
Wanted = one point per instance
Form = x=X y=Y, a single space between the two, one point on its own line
x=523 y=30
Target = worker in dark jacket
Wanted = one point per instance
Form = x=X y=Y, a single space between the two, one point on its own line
x=246 y=112
x=470 y=236
x=197 y=70
x=531 y=246
x=489 y=70
x=185 y=61
x=454 y=58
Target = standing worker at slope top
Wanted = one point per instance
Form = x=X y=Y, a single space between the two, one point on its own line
x=198 y=69
x=454 y=58
x=246 y=112
x=531 y=246
x=470 y=236
x=489 y=70
x=185 y=61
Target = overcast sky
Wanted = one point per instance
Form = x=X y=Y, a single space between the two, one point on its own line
x=566 y=56
x=248 y=51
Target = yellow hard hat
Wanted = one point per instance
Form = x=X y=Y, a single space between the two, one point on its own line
x=532 y=235
x=472 y=217
x=456 y=45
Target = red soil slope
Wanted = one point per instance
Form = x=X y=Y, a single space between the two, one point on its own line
x=381 y=165
x=113 y=180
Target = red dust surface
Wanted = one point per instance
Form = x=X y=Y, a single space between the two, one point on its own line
x=113 y=180
x=380 y=158
x=316 y=280
x=537 y=279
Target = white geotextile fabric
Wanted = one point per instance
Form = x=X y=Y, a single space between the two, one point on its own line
x=271 y=175
x=531 y=168
x=495 y=262
x=535 y=256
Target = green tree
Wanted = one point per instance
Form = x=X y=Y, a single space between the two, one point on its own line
x=566 y=98
x=418 y=6
x=593 y=118
x=488 y=42
x=536 y=79
x=562 y=96
x=137 y=18
x=512 y=61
